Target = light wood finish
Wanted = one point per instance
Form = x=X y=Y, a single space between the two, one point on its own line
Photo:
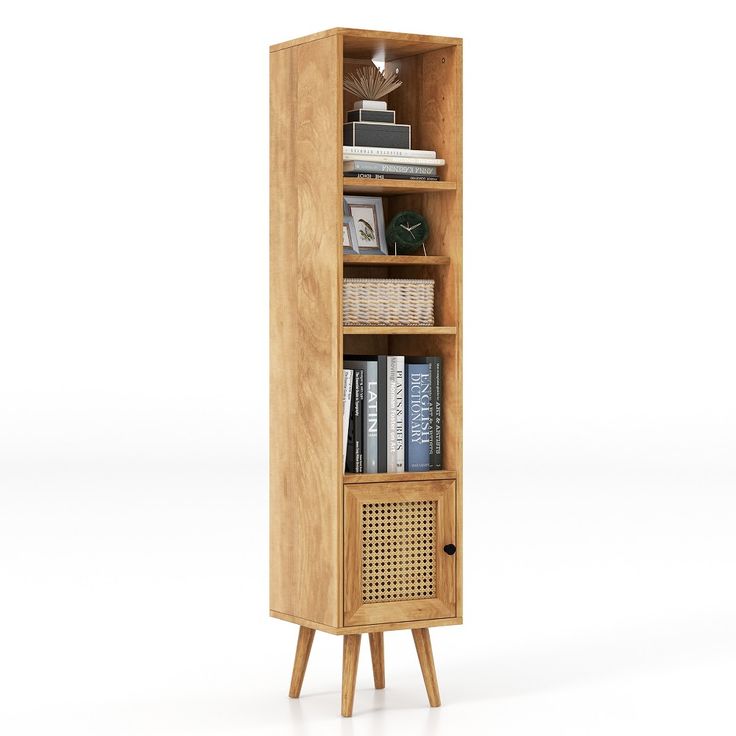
x=398 y=330
x=377 y=659
x=313 y=555
x=388 y=187
x=367 y=45
x=306 y=316
x=396 y=260
x=301 y=658
x=368 y=628
x=426 y=661
x=442 y=604
x=422 y=477
x=350 y=654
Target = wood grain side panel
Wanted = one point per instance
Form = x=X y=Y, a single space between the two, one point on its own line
x=305 y=465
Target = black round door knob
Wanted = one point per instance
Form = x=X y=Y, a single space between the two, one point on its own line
x=450 y=549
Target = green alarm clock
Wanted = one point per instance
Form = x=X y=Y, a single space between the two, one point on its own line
x=407 y=231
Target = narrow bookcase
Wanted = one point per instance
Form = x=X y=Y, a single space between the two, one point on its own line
x=322 y=520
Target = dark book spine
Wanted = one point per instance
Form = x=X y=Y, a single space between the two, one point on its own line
x=363 y=175
x=382 y=413
x=436 y=463
x=358 y=419
x=350 y=455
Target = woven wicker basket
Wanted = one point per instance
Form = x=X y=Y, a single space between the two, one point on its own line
x=388 y=302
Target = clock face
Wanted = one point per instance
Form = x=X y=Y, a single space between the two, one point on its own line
x=408 y=228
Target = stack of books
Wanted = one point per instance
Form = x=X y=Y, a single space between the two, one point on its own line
x=375 y=146
x=392 y=413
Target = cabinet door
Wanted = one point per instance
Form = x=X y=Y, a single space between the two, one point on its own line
x=396 y=565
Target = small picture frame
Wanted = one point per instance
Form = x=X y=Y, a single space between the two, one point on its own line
x=370 y=227
x=349 y=236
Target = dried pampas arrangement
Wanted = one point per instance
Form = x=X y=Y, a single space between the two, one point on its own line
x=370 y=83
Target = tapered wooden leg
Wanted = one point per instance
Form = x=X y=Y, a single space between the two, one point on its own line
x=426 y=662
x=350 y=652
x=303 y=647
x=379 y=672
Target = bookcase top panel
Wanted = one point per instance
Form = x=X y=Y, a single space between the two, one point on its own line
x=379 y=45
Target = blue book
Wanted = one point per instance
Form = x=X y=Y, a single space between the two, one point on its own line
x=417 y=415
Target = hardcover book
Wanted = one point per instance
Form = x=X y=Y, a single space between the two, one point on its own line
x=417 y=420
x=361 y=151
x=369 y=366
x=382 y=413
x=362 y=175
x=435 y=412
x=395 y=412
x=357 y=418
x=377 y=167
x=347 y=391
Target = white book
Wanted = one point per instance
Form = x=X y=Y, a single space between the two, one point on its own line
x=399 y=411
x=395 y=414
x=347 y=394
x=393 y=152
x=414 y=161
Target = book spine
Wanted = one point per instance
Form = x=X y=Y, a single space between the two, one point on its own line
x=391 y=414
x=404 y=160
x=358 y=392
x=370 y=424
x=350 y=457
x=360 y=151
x=399 y=410
x=417 y=418
x=382 y=414
x=376 y=167
x=437 y=414
x=347 y=392
x=361 y=175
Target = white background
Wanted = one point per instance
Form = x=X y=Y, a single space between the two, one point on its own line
x=600 y=437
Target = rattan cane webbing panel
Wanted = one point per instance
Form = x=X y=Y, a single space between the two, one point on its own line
x=399 y=544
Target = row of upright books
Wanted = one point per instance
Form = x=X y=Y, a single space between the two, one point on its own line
x=392 y=413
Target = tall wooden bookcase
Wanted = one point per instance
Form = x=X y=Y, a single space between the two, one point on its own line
x=318 y=530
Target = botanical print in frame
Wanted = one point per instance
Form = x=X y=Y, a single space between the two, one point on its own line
x=367 y=213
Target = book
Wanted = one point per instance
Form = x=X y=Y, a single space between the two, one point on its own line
x=435 y=412
x=362 y=151
x=382 y=413
x=350 y=454
x=347 y=392
x=357 y=418
x=389 y=159
x=399 y=411
x=361 y=175
x=417 y=420
x=395 y=414
x=369 y=367
x=376 y=167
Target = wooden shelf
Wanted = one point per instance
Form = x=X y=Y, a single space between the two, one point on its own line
x=357 y=260
x=393 y=477
x=398 y=330
x=387 y=187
